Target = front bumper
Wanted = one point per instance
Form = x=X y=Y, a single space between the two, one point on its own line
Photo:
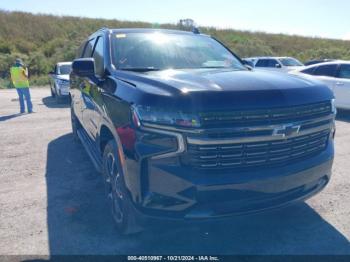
x=171 y=190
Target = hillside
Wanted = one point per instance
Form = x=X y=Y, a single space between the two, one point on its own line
x=42 y=40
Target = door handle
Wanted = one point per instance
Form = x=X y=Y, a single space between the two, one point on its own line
x=339 y=83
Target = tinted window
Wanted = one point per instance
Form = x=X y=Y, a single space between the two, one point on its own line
x=326 y=70
x=272 y=63
x=159 y=51
x=290 y=62
x=89 y=47
x=261 y=63
x=266 y=63
x=80 y=51
x=309 y=71
x=98 y=56
x=64 y=69
x=344 y=71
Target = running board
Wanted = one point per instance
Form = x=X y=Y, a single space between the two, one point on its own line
x=90 y=148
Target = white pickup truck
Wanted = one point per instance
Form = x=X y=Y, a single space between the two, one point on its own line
x=279 y=64
x=59 y=82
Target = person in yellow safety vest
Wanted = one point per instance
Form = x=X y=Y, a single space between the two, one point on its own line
x=19 y=77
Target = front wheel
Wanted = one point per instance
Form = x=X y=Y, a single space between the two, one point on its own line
x=122 y=210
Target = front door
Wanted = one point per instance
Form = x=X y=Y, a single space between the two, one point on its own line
x=341 y=87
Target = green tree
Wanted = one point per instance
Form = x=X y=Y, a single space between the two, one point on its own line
x=43 y=40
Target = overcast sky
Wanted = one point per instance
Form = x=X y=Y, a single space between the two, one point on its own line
x=324 y=18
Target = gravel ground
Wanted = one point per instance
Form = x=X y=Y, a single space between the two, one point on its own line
x=52 y=200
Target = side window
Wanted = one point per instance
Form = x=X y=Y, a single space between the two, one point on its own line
x=88 y=48
x=309 y=71
x=98 y=56
x=272 y=63
x=261 y=63
x=326 y=70
x=55 y=70
x=344 y=71
x=80 y=50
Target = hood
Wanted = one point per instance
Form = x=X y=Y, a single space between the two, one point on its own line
x=221 y=89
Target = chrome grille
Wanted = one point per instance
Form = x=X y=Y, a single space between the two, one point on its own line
x=253 y=154
x=265 y=116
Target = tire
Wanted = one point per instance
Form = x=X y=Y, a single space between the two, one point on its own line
x=75 y=125
x=118 y=195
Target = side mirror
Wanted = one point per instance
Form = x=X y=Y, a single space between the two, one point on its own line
x=278 y=66
x=248 y=63
x=84 y=67
x=51 y=73
x=250 y=68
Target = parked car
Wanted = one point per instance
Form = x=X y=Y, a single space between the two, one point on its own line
x=59 y=80
x=283 y=64
x=180 y=129
x=336 y=75
x=318 y=61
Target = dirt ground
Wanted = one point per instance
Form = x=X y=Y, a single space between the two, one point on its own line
x=52 y=201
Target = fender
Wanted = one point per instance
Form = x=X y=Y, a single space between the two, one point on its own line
x=132 y=182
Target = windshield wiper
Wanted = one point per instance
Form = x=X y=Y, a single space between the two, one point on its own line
x=140 y=69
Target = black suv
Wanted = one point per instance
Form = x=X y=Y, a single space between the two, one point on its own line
x=180 y=129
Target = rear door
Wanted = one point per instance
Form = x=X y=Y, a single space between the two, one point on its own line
x=92 y=112
x=341 y=86
x=80 y=85
x=85 y=88
x=326 y=74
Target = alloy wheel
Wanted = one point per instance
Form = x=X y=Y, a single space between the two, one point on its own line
x=114 y=187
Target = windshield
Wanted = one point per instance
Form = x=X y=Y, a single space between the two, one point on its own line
x=159 y=51
x=290 y=62
x=64 y=69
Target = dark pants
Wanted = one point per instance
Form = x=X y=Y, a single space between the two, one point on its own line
x=23 y=93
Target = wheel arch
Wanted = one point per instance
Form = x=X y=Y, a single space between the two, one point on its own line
x=105 y=135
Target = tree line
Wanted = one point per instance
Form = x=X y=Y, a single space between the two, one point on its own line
x=42 y=40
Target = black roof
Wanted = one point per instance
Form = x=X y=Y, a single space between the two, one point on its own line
x=148 y=30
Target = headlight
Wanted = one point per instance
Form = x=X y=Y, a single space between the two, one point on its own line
x=145 y=114
x=334 y=109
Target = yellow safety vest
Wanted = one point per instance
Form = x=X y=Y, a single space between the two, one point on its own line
x=19 y=77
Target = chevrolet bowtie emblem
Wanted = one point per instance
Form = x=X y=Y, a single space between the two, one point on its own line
x=286 y=130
